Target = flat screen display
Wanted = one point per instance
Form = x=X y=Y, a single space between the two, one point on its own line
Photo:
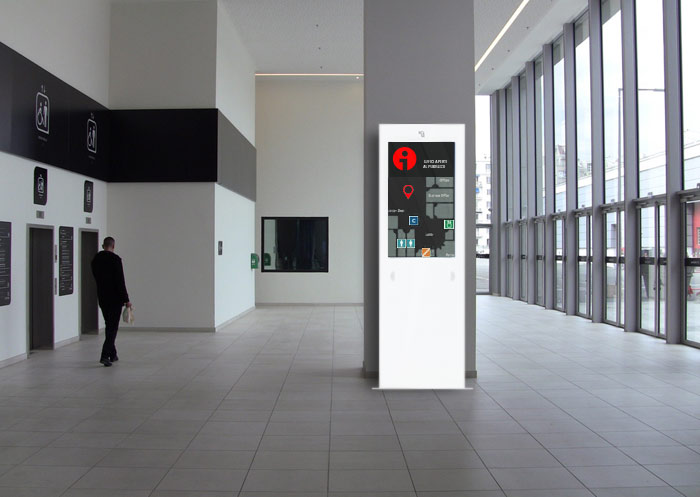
x=421 y=199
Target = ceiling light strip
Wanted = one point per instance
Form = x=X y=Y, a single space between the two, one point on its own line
x=354 y=75
x=500 y=35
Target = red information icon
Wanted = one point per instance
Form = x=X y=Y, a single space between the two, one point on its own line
x=408 y=191
x=404 y=159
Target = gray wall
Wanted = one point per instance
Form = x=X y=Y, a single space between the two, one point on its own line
x=419 y=68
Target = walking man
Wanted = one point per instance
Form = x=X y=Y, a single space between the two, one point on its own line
x=111 y=294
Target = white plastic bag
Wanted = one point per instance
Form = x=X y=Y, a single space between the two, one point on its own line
x=128 y=315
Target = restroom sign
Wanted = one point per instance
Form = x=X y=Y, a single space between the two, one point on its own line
x=41 y=185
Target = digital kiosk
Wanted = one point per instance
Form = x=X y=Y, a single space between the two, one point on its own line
x=421 y=256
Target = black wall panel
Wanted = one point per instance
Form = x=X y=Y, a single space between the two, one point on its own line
x=163 y=145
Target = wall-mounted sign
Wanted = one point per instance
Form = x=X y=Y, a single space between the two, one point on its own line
x=5 y=263
x=65 y=260
x=254 y=261
x=221 y=247
x=91 y=141
x=41 y=185
x=88 y=196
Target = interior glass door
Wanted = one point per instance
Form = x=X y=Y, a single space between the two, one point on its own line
x=652 y=270
x=523 y=260
x=509 y=260
x=583 y=269
x=692 y=273
x=560 y=258
x=539 y=248
x=614 y=267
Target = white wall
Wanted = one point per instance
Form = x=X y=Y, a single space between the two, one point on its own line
x=234 y=280
x=164 y=233
x=235 y=76
x=64 y=208
x=68 y=38
x=163 y=55
x=310 y=146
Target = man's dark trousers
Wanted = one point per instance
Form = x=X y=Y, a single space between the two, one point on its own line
x=111 y=312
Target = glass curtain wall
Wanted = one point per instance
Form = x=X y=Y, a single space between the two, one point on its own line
x=651 y=97
x=583 y=227
x=690 y=45
x=509 y=153
x=559 y=127
x=523 y=146
x=539 y=137
x=612 y=101
x=583 y=113
x=652 y=269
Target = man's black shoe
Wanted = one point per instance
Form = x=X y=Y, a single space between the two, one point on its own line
x=107 y=363
x=114 y=359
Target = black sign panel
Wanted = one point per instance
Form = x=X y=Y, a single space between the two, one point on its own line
x=41 y=185
x=65 y=260
x=421 y=199
x=88 y=196
x=5 y=263
x=44 y=119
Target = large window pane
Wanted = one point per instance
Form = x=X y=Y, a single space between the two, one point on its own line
x=651 y=99
x=523 y=146
x=482 y=261
x=509 y=152
x=559 y=128
x=690 y=45
x=483 y=160
x=583 y=113
x=539 y=227
x=539 y=137
x=612 y=99
x=583 y=284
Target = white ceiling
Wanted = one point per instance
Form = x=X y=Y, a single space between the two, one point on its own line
x=326 y=36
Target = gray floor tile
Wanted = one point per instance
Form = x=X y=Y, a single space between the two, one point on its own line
x=567 y=492
x=370 y=481
x=434 y=442
x=367 y=460
x=139 y=458
x=16 y=455
x=518 y=458
x=364 y=442
x=443 y=459
x=215 y=459
x=592 y=456
x=616 y=476
x=637 y=492
x=294 y=443
x=56 y=477
x=121 y=478
x=535 y=479
x=677 y=474
x=452 y=479
x=210 y=480
x=303 y=460
x=504 y=442
x=279 y=480
x=662 y=455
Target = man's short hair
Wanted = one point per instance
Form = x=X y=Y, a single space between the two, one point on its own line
x=108 y=242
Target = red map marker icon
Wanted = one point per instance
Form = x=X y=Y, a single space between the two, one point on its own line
x=408 y=191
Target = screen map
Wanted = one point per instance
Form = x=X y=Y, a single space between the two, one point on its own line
x=421 y=199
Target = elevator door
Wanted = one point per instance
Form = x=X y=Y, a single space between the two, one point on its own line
x=41 y=288
x=88 y=288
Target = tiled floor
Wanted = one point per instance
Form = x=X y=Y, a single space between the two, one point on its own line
x=275 y=406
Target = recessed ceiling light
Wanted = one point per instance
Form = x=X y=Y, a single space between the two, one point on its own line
x=296 y=74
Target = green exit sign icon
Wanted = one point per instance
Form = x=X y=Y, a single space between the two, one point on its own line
x=449 y=224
